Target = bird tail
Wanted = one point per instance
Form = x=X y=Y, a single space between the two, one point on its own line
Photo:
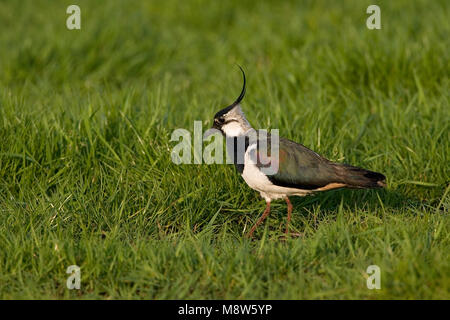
x=359 y=177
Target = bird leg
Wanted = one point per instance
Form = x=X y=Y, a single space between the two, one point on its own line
x=260 y=220
x=289 y=207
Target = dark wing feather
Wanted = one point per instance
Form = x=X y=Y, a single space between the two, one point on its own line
x=302 y=168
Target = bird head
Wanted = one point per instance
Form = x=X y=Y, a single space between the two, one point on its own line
x=231 y=120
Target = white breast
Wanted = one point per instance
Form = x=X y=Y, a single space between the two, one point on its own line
x=252 y=175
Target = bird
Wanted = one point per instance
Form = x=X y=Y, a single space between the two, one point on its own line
x=300 y=171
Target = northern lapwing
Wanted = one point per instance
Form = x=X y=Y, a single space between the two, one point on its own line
x=301 y=171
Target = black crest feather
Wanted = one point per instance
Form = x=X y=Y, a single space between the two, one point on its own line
x=238 y=100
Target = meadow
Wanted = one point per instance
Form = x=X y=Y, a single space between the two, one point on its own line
x=86 y=176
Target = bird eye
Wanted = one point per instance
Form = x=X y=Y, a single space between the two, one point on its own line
x=221 y=120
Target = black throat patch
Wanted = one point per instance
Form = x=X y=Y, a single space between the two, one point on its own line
x=236 y=148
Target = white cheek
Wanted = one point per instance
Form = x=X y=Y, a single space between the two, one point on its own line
x=233 y=129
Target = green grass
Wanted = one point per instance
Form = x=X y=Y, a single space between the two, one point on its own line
x=85 y=170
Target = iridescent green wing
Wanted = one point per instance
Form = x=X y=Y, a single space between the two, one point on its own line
x=298 y=166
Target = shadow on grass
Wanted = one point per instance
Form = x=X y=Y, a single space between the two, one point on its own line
x=328 y=204
x=322 y=207
x=374 y=199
